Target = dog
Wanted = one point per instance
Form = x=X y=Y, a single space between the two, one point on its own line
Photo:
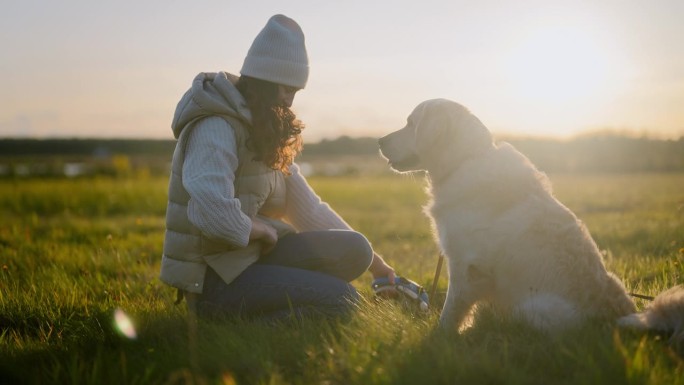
x=508 y=241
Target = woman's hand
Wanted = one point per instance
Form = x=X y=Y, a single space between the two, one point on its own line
x=264 y=233
x=379 y=268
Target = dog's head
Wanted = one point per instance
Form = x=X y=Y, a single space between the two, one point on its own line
x=439 y=135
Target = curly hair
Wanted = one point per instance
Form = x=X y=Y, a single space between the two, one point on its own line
x=275 y=134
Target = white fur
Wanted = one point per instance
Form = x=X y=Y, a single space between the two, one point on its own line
x=507 y=239
x=664 y=314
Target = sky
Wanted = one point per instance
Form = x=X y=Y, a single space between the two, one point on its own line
x=116 y=69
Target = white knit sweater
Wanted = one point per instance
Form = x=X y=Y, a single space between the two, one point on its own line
x=208 y=176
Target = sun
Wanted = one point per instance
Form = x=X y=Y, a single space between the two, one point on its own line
x=558 y=65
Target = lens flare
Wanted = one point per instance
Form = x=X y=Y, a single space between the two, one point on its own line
x=124 y=324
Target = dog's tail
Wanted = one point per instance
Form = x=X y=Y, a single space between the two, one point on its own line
x=665 y=314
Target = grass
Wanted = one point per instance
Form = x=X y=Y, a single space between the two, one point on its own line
x=72 y=252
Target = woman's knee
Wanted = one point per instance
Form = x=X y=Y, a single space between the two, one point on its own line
x=359 y=254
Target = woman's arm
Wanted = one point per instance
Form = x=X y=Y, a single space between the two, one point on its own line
x=208 y=176
x=304 y=208
x=306 y=211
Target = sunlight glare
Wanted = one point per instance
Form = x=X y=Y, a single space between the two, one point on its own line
x=557 y=65
x=124 y=324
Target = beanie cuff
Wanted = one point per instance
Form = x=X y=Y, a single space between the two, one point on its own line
x=276 y=71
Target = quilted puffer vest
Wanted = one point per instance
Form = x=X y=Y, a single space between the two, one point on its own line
x=187 y=252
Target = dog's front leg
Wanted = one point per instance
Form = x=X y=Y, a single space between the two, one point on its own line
x=456 y=308
x=460 y=299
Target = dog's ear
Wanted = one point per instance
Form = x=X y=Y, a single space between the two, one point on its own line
x=473 y=134
x=431 y=125
x=447 y=133
x=466 y=133
x=442 y=122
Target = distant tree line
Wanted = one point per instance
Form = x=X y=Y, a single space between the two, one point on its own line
x=600 y=153
x=85 y=147
x=604 y=153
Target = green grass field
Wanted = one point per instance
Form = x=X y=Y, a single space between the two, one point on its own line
x=72 y=252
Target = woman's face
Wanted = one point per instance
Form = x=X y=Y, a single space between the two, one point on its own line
x=286 y=95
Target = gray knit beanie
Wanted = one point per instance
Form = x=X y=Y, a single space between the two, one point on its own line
x=278 y=54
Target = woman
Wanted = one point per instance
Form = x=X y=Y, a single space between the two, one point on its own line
x=246 y=235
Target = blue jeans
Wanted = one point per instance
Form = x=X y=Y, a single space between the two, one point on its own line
x=305 y=273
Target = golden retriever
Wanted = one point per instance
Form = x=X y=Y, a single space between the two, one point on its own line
x=508 y=241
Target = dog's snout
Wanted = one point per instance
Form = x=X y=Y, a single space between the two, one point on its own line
x=387 y=139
